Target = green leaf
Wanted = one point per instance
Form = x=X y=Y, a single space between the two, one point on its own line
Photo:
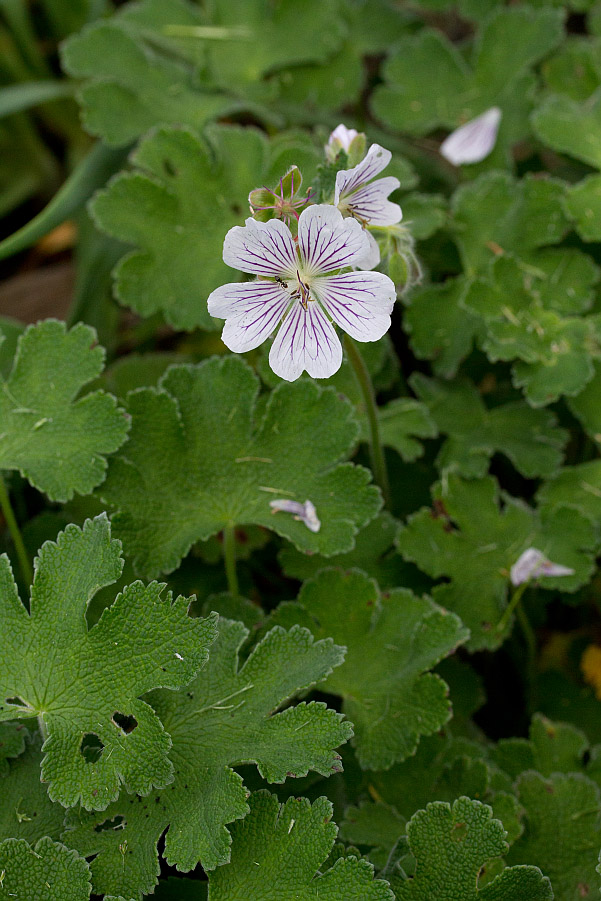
x=277 y=854
x=530 y=438
x=176 y=208
x=375 y=826
x=441 y=329
x=26 y=811
x=85 y=681
x=12 y=743
x=194 y=464
x=498 y=214
x=48 y=870
x=577 y=486
x=471 y=540
x=451 y=845
x=402 y=421
x=554 y=351
x=552 y=748
x=417 y=98
x=56 y=441
x=575 y=69
x=563 y=817
x=571 y=127
x=373 y=553
x=583 y=204
x=225 y=718
x=392 y=642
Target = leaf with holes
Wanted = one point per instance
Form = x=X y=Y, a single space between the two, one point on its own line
x=498 y=73
x=392 y=642
x=225 y=718
x=278 y=852
x=530 y=438
x=452 y=845
x=84 y=684
x=176 y=207
x=196 y=463
x=473 y=540
x=56 y=441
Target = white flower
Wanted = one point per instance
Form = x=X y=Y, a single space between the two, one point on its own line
x=300 y=282
x=473 y=141
x=304 y=512
x=340 y=139
x=532 y=564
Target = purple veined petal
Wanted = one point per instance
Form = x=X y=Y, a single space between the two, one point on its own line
x=252 y=311
x=348 y=180
x=261 y=248
x=372 y=255
x=327 y=241
x=306 y=341
x=473 y=141
x=359 y=302
x=371 y=202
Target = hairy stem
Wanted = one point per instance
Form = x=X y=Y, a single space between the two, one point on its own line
x=15 y=533
x=229 y=557
x=376 y=451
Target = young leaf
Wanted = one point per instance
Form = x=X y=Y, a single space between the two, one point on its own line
x=452 y=845
x=176 y=208
x=510 y=42
x=194 y=464
x=226 y=717
x=563 y=816
x=56 y=441
x=277 y=853
x=392 y=642
x=86 y=682
x=473 y=542
x=48 y=870
x=530 y=438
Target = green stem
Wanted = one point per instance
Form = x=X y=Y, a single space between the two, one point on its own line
x=513 y=603
x=530 y=639
x=378 y=460
x=42 y=727
x=13 y=528
x=229 y=556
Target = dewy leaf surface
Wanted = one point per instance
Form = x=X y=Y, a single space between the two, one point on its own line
x=177 y=206
x=392 y=642
x=196 y=462
x=277 y=855
x=48 y=871
x=56 y=441
x=473 y=541
x=81 y=682
x=451 y=845
x=530 y=438
x=226 y=717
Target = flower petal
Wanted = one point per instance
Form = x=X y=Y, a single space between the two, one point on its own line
x=473 y=141
x=533 y=564
x=372 y=255
x=304 y=512
x=261 y=248
x=342 y=137
x=327 y=241
x=371 y=202
x=306 y=341
x=359 y=302
x=252 y=310
x=349 y=180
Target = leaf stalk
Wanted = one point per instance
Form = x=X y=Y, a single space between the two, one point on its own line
x=15 y=533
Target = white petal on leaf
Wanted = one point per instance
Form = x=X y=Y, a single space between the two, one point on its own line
x=473 y=141
x=261 y=248
x=359 y=302
x=371 y=202
x=307 y=342
x=304 y=512
x=533 y=564
x=327 y=241
x=349 y=180
x=252 y=311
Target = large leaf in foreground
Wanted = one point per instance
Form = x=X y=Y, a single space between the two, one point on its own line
x=56 y=441
x=196 y=463
x=392 y=642
x=225 y=718
x=48 y=871
x=278 y=852
x=84 y=684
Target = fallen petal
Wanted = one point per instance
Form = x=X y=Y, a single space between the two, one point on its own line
x=533 y=564
x=304 y=512
x=473 y=141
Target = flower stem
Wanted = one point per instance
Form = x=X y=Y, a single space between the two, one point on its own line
x=378 y=460
x=229 y=556
x=513 y=603
x=15 y=532
x=530 y=639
